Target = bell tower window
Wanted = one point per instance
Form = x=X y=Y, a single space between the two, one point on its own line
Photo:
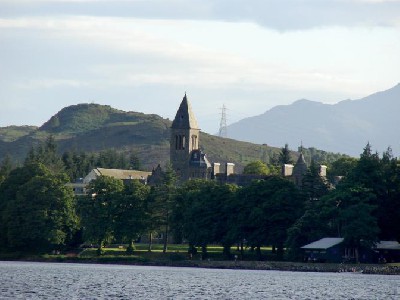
x=194 y=142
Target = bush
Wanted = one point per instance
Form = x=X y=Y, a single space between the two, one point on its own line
x=176 y=256
x=131 y=249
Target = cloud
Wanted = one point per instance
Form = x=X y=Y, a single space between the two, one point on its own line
x=111 y=52
x=280 y=15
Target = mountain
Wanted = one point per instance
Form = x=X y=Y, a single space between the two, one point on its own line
x=94 y=127
x=345 y=127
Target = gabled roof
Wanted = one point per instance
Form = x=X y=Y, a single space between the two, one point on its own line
x=388 y=245
x=122 y=174
x=324 y=243
x=185 y=118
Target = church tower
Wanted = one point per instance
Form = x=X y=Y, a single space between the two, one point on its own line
x=184 y=139
x=300 y=169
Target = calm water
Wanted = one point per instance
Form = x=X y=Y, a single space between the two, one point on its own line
x=25 y=280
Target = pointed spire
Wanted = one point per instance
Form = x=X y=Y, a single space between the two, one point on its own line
x=185 y=118
x=301 y=159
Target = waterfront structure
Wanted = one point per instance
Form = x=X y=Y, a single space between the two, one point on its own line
x=324 y=250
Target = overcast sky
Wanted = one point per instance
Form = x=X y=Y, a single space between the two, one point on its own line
x=142 y=55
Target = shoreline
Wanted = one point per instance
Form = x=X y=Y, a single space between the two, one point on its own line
x=234 y=265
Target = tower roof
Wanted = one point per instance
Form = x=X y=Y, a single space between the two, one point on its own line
x=300 y=167
x=184 y=116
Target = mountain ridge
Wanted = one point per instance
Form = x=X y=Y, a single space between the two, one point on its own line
x=344 y=127
x=94 y=127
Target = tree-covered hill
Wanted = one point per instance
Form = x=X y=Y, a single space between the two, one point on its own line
x=94 y=127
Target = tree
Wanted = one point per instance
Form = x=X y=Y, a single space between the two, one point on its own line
x=267 y=209
x=46 y=153
x=130 y=214
x=388 y=211
x=5 y=168
x=207 y=215
x=313 y=185
x=256 y=167
x=342 y=167
x=308 y=228
x=160 y=203
x=284 y=156
x=39 y=210
x=348 y=210
x=98 y=209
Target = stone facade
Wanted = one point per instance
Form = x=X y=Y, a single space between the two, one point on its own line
x=188 y=161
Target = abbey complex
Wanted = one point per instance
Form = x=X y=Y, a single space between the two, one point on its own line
x=190 y=162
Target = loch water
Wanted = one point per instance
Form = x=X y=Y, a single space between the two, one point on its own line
x=33 y=280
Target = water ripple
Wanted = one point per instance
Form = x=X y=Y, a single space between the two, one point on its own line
x=26 y=280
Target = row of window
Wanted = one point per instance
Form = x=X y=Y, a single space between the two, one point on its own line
x=180 y=142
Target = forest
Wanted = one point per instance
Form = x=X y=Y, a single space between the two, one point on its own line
x=40 y=214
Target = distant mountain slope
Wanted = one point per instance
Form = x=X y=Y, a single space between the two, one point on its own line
x=94 y=127
x=345 y=127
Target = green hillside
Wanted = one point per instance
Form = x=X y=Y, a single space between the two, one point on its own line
x=94 y=127
x=13 y=133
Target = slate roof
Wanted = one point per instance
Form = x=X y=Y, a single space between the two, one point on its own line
x=300 y=167
x=185 y=118
x=199 y=159
x=122 y=174
x=324 y=243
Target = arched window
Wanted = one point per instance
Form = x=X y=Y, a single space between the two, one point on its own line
x=183 y=141
x=176 y=142
x=194 y=142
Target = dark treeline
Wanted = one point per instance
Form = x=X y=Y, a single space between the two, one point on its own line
x=39 y=213
x=78 y=164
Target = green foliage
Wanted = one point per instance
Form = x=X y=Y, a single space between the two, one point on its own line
x=206 y=213
x=98 y=209
x=313 y=185
x=5 y=168
x=267 y=209
x=37 y=210
x=284 y=156
x=46 y=153
x=256 y=167
x=160 y=203
x=131 y=216
x=341 y=167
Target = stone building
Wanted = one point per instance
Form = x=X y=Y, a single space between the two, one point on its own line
x=297 y=171
x=188 y=161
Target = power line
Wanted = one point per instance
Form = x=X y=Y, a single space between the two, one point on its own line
x=223 y=130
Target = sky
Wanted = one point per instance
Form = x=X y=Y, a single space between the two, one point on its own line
x=143 y=55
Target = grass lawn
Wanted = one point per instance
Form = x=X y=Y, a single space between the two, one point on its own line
x=174 y=252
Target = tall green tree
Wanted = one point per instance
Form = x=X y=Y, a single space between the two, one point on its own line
x=268 y=209
x=47 y=154
x=284 y=156
x=38 y=210
x=98 y=209
x=314 y=185
x=160 y=204
x=130 y=214
x=349 y=211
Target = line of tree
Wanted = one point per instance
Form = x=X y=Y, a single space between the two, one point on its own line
x=39 y=213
